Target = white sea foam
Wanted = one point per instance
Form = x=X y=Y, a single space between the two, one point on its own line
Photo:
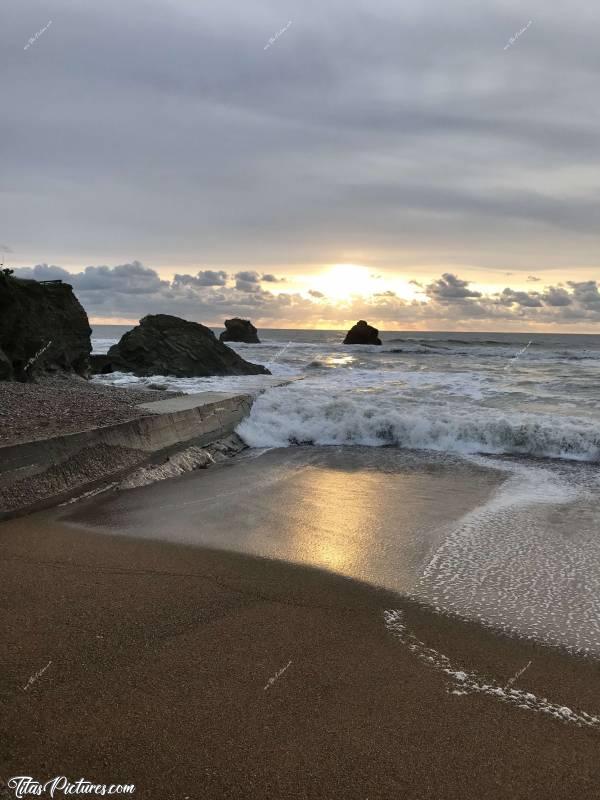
x=453 y=393
x=464 y=682
x=525 y=561
x=227 y=383
x=387 y=415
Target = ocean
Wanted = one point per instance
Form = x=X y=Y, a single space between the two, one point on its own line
x=492 y=393
x=459 y=469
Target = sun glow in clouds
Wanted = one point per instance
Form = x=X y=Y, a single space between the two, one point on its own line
x=343 y=281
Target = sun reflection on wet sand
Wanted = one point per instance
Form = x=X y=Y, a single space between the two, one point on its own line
x=373 y=514
x=334 y=528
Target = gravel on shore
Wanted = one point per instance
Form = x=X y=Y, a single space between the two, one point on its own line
x=59 y=405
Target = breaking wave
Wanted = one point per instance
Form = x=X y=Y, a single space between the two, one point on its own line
x=497 y=394
x=295 y=415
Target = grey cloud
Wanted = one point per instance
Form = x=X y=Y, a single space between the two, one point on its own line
x=248 y=276
x=269 y=278
x=450 y=287
x=133 y=290
x=586 y=293
x=131 y=278
x=533 y=279
x=45 y=272
x=509 y=297
x=247 y=281
x=557 y=296
x=220 y=150
x=207 y=277
x=247 y=286
x=572 y=213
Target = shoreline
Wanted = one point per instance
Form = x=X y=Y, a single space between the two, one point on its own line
x=161 y=653
x=41 y=473
x=81 y=455
x=486 y=539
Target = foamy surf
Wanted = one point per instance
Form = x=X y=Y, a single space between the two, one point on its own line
x=497 y=394
x=465 y=682
x=305 y=414
x=525 y=561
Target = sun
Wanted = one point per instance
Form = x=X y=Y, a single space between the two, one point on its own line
x=343 y=281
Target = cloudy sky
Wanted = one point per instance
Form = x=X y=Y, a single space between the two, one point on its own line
x=422 y=164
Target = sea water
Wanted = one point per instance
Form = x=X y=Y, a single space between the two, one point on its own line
x=525 y=406
x=530 y=395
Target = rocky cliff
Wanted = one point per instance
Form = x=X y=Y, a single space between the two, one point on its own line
x=43 y=328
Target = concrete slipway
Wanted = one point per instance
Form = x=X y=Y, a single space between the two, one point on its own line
x=42 y=473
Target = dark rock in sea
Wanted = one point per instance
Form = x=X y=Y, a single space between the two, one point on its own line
x=166 y=345
x=239 y=330
x=43 y=329
x=362 y=333
x=102 y=364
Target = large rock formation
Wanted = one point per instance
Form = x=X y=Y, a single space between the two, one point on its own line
x=239 y=330
x=166 y=345
x=362 y=333
x=43 y=328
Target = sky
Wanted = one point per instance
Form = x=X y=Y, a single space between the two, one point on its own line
x=425 y=164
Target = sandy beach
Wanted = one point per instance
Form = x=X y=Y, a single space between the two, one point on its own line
x=299 y=401
x=200 y=673
x=507 y=542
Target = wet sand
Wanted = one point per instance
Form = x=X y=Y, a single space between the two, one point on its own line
x=161 y=653
x=371 y=514
x=508 y=542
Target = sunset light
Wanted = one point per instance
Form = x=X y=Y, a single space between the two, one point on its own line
x=299 y=387
x=343 y=281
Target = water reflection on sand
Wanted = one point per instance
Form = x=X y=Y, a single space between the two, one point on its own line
x=512 y=543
